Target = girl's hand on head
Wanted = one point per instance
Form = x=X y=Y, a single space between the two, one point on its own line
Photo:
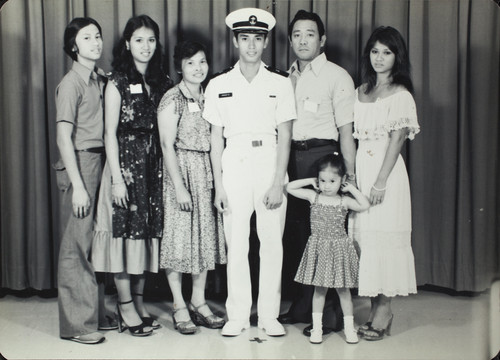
x=184 y=199
x=315 y=184
x=346 y=187
x=81 y=203
x=120 y=195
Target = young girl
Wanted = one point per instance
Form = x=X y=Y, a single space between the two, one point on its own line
x=384 y=117
x=133 y=172
x=193 y=237
x=80 y=142
x=329 y=259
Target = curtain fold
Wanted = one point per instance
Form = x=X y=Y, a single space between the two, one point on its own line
x=455 y=52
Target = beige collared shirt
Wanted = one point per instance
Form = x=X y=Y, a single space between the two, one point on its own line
x=79 y=101
x=324 y=94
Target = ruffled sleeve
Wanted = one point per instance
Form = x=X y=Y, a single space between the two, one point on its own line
x=403 y=115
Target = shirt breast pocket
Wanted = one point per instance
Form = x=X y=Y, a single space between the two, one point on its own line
x=271 y=102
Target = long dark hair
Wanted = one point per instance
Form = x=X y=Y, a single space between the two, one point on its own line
x=400 y=72
x=124 y=62
x=72 y=30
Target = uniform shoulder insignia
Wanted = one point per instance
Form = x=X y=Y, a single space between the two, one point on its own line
x=222 y=72
x=277 y=71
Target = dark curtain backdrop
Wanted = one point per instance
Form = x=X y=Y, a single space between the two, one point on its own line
x=455 y=51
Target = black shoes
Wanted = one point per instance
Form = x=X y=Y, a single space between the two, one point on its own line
x=288 y=318
x=307 y=330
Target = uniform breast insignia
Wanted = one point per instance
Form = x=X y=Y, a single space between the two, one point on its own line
x=225 y=95
x=222 y=72
x=277 y=71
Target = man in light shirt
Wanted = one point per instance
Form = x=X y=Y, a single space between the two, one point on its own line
x=324 y=95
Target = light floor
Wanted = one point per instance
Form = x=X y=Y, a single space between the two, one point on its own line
x=429 y=325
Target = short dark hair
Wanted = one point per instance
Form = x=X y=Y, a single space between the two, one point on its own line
x=260 y=32
x=72 y=30
x=186 y=49
x=307 y=15
x=334 y=160
x=400 y=72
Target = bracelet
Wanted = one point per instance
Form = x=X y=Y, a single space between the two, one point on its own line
x=374 y=188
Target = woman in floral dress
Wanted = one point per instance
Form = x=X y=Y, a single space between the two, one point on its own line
x=193 y=239
x=133 y=172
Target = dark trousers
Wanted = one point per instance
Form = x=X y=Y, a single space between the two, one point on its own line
x=297 y=231
x=77 y=286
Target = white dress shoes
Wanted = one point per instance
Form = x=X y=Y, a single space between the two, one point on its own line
x=235 y=327
x=272 y=327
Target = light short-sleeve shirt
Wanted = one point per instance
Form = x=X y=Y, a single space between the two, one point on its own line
x=324 y=93
x=255 y=107
x=79 y=101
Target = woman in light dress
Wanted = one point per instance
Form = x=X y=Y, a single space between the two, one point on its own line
x=384 y=117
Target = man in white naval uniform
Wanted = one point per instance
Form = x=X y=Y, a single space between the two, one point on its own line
x=251 y=106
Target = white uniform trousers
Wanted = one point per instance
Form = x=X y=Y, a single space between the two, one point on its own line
x=248 y=169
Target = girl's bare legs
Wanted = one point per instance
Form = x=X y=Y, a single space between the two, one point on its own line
x=318 y=302
x=128 y=310
x=345 y=301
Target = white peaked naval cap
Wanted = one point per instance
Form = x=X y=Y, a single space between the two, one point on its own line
x=250 y=20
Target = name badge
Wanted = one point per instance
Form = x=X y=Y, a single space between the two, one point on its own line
x=193 y=107
x=225 y=95
x=310 y=106
x=135 y=88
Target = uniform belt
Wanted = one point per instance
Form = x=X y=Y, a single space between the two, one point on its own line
x=253 y=140
x=303 y=145
x=96 y=150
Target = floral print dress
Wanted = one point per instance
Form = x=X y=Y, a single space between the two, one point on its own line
x=193 y=241
x=132 y=243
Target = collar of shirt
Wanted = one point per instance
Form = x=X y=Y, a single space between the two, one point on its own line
x=85 y=73
x=187 y=94
x=315 y=65
x=262 y=73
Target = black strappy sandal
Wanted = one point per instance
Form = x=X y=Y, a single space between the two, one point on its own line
x=148 y=320
x=134 y=330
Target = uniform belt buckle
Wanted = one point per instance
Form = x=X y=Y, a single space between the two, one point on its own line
x=256 y=143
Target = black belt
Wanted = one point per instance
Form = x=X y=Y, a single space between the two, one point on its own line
x=303 y=145
x=96 y=150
